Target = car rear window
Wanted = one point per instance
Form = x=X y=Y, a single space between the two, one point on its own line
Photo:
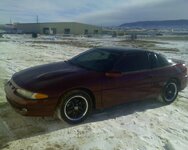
x=158 y=60
x=162 y=60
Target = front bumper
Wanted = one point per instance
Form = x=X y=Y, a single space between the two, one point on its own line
x=28 y=107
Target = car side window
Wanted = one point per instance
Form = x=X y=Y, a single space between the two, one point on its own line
x=133 y=62
x=96 y=55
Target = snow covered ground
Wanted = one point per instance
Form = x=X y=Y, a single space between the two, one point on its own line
x=140 y=125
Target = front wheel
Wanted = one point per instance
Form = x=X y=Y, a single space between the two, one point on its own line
x=170 y=92
x=75 y=107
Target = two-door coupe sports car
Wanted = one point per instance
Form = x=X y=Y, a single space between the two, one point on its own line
x=98 y=78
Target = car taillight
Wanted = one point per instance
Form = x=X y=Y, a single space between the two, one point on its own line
x=182 y=68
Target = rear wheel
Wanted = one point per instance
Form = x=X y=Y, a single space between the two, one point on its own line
x=170 y=92
x=75 y=107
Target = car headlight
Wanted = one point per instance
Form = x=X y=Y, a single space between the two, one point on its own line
x=31 y=95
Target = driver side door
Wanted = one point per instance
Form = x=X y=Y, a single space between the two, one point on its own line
x=133 y=82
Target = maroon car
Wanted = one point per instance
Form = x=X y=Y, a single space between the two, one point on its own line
x=98 y=78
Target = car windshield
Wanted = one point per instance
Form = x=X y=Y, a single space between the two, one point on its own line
x=96 y=59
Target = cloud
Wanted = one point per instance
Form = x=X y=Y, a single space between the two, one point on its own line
x=100 y=12
x=131 y=12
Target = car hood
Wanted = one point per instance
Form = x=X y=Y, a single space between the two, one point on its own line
x=32 y=77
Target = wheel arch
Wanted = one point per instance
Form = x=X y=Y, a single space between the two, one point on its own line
x=163 y=97
x=88 y=91
x=177 y=81
x=90 y=94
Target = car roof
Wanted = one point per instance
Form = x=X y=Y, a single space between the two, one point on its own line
x=123 y=50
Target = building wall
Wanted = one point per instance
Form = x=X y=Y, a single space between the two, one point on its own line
x=28 y=27
x=59 y=28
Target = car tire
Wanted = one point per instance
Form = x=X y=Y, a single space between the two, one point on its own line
x=75 y=106
x=170 y=92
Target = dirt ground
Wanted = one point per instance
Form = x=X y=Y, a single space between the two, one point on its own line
x=142 y=125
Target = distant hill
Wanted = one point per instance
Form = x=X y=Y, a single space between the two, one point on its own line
x=165 y=24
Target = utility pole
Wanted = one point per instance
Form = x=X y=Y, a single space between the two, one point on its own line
x=10 y=21
x=37 y=19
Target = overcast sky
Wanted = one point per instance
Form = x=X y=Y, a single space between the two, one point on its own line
x=98 y=12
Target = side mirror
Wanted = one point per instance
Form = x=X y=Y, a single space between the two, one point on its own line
x=113 y=74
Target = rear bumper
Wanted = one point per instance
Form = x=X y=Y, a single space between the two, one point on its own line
x=29 y=107
x=184 y=82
